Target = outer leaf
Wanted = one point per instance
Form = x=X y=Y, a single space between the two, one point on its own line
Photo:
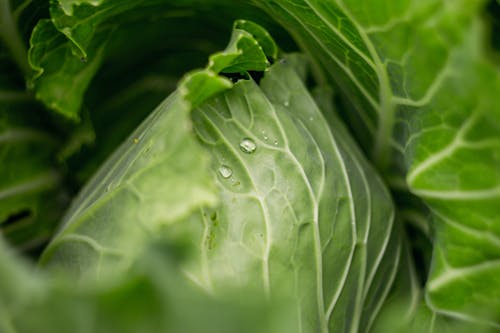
x=31 y=198
x=79 y=31
x=17 y=287
x=368 y=267
x=163 y=301
x=161 y=149
x=415 y=73
x=405 y=311
x=153 y=70
x=67 y=51
x=29 y=201
x=61 y=78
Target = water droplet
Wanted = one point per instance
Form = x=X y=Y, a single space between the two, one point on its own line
x=286 y=103
x=225 y=171
x=248 y=146
x=275 y=142
x=311 y=118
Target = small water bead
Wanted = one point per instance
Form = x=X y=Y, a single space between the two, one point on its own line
x=225 y=171
x=275 y=143
x=248 y=146
x=286 y=103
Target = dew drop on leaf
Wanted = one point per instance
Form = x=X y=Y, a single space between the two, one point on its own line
x=225 y=171
x=248 y=146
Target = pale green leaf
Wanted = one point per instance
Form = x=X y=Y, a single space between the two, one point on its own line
x=296 y=202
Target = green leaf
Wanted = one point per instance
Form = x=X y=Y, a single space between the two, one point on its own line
x=62 y=78
x=286 y=189
x=353 y=295
x=74 y=44
x=425 y=106
x=261 y=36
x=31 y=196
x=162 y=149
x=30 y=192
x=406 y=311
x=152 y=71
x=153 y=297
x=251 y=55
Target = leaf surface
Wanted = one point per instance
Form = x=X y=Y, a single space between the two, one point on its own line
x=31 y=196
x=425 y=106
x=286 y=189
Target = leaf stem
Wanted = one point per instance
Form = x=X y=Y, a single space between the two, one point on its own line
x=12 y=39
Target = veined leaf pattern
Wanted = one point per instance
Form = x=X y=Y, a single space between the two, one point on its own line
x=296 y=205
x=400 y=73
x=299 y=205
